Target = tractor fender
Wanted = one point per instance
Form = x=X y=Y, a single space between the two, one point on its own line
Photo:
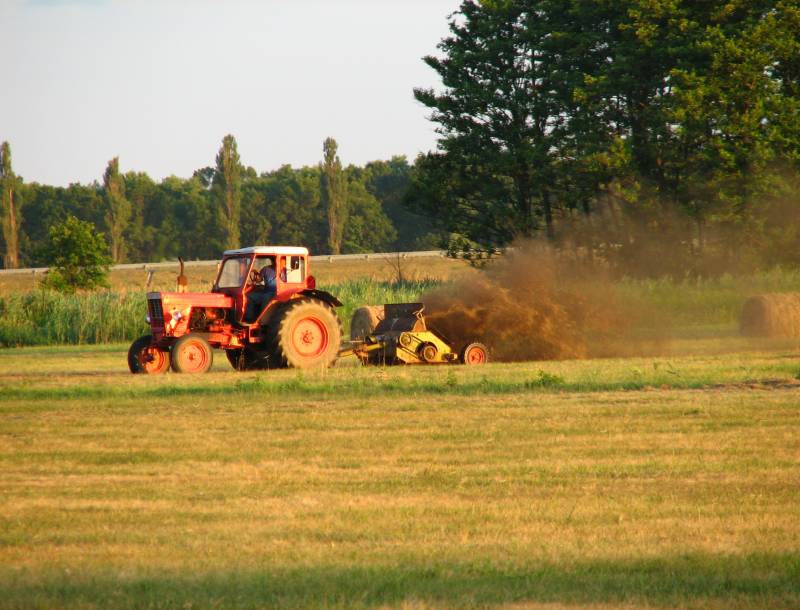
x=321 y=295
x=269 y=311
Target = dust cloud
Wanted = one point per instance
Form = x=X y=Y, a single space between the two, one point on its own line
x=531 y=305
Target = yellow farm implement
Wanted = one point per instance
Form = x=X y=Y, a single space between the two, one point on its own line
x=398 y=334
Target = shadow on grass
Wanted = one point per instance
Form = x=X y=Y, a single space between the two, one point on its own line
x=758 y=581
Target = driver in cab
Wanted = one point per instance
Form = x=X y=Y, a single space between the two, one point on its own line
x=263 y=291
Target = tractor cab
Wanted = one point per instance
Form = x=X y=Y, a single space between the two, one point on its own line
x=257 y=276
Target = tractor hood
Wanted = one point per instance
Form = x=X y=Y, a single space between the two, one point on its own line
x=169 y=312
x=184 y=300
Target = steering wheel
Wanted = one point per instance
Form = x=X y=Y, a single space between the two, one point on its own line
x=255 y=277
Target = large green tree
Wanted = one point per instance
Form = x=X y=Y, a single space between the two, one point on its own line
x=118 y=209
x=9 y=208
x=227 y=189
x=333 y=194
x=671 y=114
x=503 y=119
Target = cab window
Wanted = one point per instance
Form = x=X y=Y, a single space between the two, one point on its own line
x=233 y=272
x=295 y=269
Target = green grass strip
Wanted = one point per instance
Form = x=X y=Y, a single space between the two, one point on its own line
x=753 y=580
x=300 y=386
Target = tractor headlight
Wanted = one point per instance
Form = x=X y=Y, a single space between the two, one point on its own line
x=178 y=316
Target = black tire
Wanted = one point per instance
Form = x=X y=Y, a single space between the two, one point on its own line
x=427 y=352
x=191 y=354
x=474 y=354
x=307 y=333
x=246 y=359
x=147 y=359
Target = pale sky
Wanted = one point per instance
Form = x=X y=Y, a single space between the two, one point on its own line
x=160 y=82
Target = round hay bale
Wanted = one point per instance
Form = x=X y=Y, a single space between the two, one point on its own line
x=771 y=315
x=364 y=321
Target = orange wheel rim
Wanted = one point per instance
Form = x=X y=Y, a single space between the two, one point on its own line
x=194 y=358
x=310 y=337
x=475 y=355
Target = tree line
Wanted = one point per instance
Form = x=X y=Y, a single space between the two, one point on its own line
x=657 y=137
x=328 y=208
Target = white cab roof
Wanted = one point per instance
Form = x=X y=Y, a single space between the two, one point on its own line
x=296 y=250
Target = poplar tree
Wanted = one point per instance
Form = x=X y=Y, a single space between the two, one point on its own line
x=227 y=188
x=118 y=209
x=9 y=208
x=333 y=194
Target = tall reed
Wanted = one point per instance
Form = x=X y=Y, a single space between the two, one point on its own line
x=49 y=318
x=43 y=317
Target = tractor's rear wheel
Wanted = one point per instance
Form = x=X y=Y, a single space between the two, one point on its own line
x=475 y=353
x=191 y=354
x=146 y=358
x=307 y=333
x=246 y=359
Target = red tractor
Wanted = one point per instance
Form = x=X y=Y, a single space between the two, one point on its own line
x=262 y=318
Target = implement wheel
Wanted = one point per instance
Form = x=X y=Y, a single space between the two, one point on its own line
x=191 y=354
x=146 y=358
x=474 y=353
x=308 y=333
x=428 y=352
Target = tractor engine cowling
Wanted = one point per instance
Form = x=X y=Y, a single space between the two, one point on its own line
x=173 y=314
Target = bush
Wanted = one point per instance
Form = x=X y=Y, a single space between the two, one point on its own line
x=77 y=255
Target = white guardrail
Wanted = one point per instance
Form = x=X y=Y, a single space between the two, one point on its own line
x=329 y=258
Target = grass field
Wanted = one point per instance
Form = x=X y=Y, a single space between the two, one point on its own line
x=658 y=482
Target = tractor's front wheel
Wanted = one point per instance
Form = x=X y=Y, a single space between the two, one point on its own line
x=146 y=358
x=308 y=333
x=191 y=354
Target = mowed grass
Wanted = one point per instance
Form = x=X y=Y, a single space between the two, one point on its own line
x=668 y=482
